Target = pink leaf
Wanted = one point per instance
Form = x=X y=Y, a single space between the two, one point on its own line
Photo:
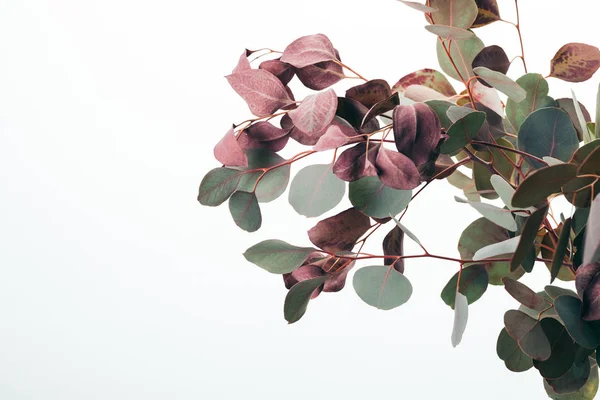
x=396 y=170
x=243 y=63
x=309 y=50
x=261 y=90
x=321 y=75
x=425 y=77
x=229 y=152
x=265 y=131
x=333 y=138
x=420 y=93
x=315 y=113
x=488 y=97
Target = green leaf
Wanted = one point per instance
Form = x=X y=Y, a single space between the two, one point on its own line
x=502 y=83
x=528 y=333
x=587 y=135
x=528 y=236
x=591 y=164
x=586 y=392
x=581 y=154
x=555 y=291
x=440 y=107
x=315 y=190
x=406 y=231
x=296 y=301
x=218 y=185
x=573 y=380
x=509 y=351
x=376 y=200
x=473 y=284
x=563 y=350
x=543 y=183
x=449 y=32
x=273 y=183
x=498 y=158
x=464 y=50
x=568 y=309
x=277 y=256
x=462 y=132
x=537 y=97
x=479 y=234
x=548 y=132
x=245 y=211
x=499 y=216
x=461 y=316
x=507 y=246
x=560 y=250
x=458 y=13
x=382 y=287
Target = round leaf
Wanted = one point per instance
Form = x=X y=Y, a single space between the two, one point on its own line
x=543 y=183
x=245 y=211
x=473 y=284
x=509 y=351
x=315 y=190
x=376 y=200
x=382 y=287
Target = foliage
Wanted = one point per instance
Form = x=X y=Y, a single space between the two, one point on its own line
x=391 y=141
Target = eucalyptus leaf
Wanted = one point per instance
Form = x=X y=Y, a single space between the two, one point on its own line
x=245 y=211
x=382 y=287
x=277 y=256
x=296 y=301
x=315 y=190
x=377 y=200
x=461 y=316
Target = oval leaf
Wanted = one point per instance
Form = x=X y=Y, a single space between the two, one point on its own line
x=575 y=62
x=425 y=77
x=529 y=334
x=228 y=151
x=523 y=294
x=487 y=12
x=473 y=284
x=277 y=256
x=526 y=243
x=316 y=190
x=315 y=113
x=462 y=132
x=458 y=13
x=509 y=351
x=537 y=97
x=502 y=83
x=450 y=32
x=296 y=301
x=461 y=316
x=543 y=183
x=218 y=185
x=382 y=287
x=464 y=50
x=261 y=90
x=376 y=200
x=507 y=246
x=569 y=310
x=340 y=232
x=308 y=50
x=245 y=211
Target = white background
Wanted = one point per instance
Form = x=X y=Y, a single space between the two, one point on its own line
x=116 y=284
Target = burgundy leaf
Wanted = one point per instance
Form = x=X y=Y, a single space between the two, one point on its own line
x=393 y=245
x=591 y=294
x=296 y=134
x=265 y=131
x=243 y=63
x=315 y=113
x=575 y=62
x=309 y=50
x=417 y=131
x=304 y=273
x=492 y=57
x=355 y=113
x=261 y=90
x=487 y=13
x=585 y=274
x=336 y=281
x=229 y=152
x=381 y=107
x=275 y=145
x=340 y=232
x=370 y=93
x=353 y=163
x=283 y=71
x=426 y=77
x=321 y=75
x=397 y=170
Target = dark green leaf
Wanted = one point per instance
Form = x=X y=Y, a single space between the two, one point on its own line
x=482 y=233
x=382 y=287
x=473 y=284
x=528 y=235
x=563 y=350
x=548 y=132
x=462 y=132
x=591 y=164
x=296 y=301
x=584 y=151
x=528 y=333
x=555 y=291
x=218 y=185
x=277 y=256
x=569 y=310
x=543 y=183
x=487 y=13
x=573 y=380
x=580 y=219
x=245 y=211
x=587 y=392
x=440 y=108
x=560 y=250
x=537 y=97
x=376 y=200
x=579 y=190
x=316 y=190
x=509 y=351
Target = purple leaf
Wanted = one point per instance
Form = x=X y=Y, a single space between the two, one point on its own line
x=340 y=232
x=274 y=145
x=417 y=131
x=321 y=75
x=356 y=115
x=393 y=245
x=425 y=77
x=263 y=131
x=492 y=57
x=397 y=170
x=591 y=294
x=309 y=50
x=353 y=163
x=283 y=71
x=304 y=273
x=575 y=62
x=229 y=152
x=381 y=107
x=370 y=93
x=315 y=113
x=243 y=63
x=261 y=90
x=487 y=12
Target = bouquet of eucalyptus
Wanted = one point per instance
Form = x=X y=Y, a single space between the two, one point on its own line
x=497 y=138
